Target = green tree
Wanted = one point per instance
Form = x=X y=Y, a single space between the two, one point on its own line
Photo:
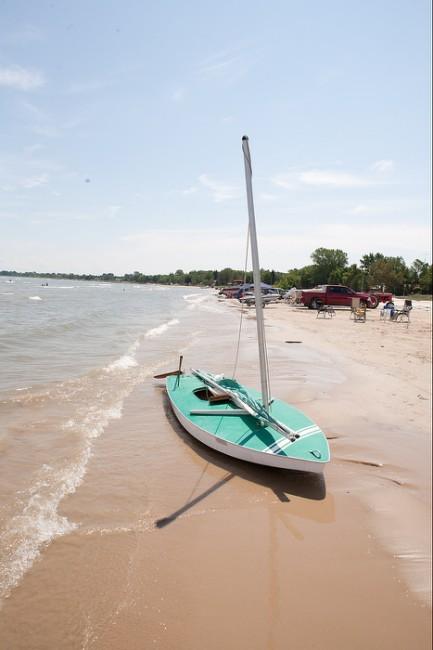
x=420 y=277
x=353 y=277
x=367 y=260
x=225 y=276
x=425 y=280
x=391 y=272
x=329 y=263
x=290 y=279
x=307 y=277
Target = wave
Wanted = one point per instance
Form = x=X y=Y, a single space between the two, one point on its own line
x=123 y=363
x=157 y=331
x=96 y=400
x=105 y=285
x=203 y=301
x=35 y=298
x=39 y=522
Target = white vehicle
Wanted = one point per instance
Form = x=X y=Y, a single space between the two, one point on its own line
x=249 y=298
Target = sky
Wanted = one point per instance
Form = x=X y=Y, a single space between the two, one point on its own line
x=121 y=126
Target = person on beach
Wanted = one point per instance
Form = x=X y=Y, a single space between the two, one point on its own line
x=389 y=306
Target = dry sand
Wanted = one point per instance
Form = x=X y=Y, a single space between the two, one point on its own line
x=208 y=553
x=378 y=419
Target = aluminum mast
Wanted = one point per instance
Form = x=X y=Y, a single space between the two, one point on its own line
x=256 y=276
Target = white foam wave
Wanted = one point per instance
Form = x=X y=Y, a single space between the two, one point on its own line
x=35 y=298
x=134 y=347
x=123 y=363
x=157 y=331
x=8 y=293
x=154 y=287
x=105 y=285
x=95 y=421
x=39 y=522
x=196 y=299
x=144 y=524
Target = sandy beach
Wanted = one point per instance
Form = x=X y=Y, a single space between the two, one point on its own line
x=207 y=552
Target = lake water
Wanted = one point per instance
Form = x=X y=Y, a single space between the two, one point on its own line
x=70 y=353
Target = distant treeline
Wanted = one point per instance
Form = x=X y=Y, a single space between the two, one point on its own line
x=329 y=266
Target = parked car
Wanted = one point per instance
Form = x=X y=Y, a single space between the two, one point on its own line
x=337 y=294
x=249 y=298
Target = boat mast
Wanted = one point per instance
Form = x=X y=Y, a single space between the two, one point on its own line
x=256 y=276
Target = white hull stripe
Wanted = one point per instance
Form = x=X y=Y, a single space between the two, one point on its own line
x=282 y=443
x=312 y=428
x=279 y=445
x=275 y=444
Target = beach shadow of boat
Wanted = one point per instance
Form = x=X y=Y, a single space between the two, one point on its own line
x=283 y=483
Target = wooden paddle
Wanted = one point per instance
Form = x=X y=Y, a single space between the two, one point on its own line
x=168 y=374
x=179 y=371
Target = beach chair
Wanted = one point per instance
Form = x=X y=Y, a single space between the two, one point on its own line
x=387 y=312
x=325 y=310
x=355 y=305
x=360 y=314
x=403 y=315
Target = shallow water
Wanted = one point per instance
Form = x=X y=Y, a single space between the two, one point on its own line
x=70 y=353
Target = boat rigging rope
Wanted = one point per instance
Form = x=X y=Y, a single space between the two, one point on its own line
x=235 y=366
x=268 y=373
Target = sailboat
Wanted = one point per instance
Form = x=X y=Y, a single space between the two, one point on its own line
x=239 y=421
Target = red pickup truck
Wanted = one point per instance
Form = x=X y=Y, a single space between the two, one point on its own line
x=336 y=294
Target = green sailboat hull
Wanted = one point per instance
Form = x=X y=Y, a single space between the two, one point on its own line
x=225 y=427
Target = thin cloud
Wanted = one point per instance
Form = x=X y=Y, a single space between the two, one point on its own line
x=21 y=78
x=219 y=191
x=265 y=196
x=47 y=131
x=218 y=67
x=326 y=178
x=33 y=111
x=383 y=166
x=189 y=190
x=362 y=209
x=44 y=125
x=228 y=65
x=27 y=183
x=334 y=178
x=331 y=178
x=26 y=170
x=35 y=181
x=113 y=211
x=280 y=248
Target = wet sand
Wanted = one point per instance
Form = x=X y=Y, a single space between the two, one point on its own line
x=180 y=547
